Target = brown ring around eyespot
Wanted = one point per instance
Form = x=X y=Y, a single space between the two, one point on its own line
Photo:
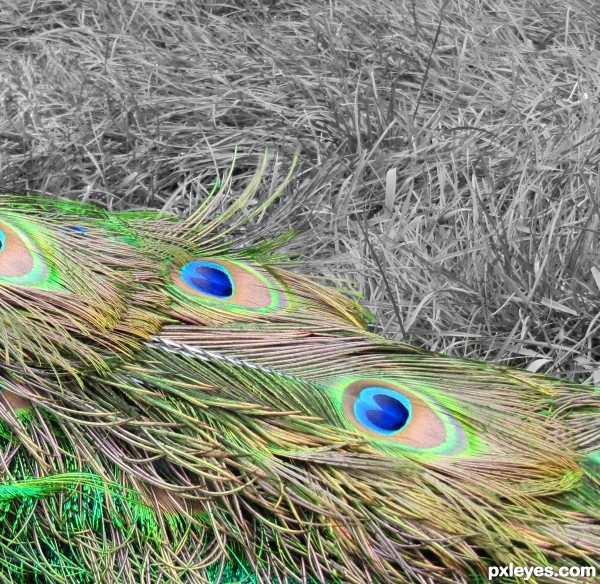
x=249 y=291
x=424 y=430
x=15 y=257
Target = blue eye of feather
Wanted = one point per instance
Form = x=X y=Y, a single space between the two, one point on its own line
x=208 y=278
x=75 y=229
x=2 y=240
x=382 y=410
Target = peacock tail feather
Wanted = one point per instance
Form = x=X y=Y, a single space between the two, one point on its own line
x=178 y=408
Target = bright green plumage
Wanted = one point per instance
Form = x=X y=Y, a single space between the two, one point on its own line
x=176 y=409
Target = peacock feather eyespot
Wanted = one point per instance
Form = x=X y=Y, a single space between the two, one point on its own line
x=208 y=278
x=229 y=284
x=21 y=260
x=394 y=414
x=382 y=410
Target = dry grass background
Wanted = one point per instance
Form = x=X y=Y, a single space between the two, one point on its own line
x=449 y=156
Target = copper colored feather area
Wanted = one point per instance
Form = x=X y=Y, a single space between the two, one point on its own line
x=178 y=409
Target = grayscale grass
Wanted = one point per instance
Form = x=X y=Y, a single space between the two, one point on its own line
x=449 y=154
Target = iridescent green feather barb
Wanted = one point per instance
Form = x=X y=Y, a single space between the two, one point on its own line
x=178 y=409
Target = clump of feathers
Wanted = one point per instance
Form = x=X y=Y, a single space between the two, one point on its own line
x=174 y=408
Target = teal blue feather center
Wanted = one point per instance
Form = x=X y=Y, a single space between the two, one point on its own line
x=208 y=278
x=382 y=410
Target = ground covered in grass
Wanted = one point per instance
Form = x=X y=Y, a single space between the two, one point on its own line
x=449 y=163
